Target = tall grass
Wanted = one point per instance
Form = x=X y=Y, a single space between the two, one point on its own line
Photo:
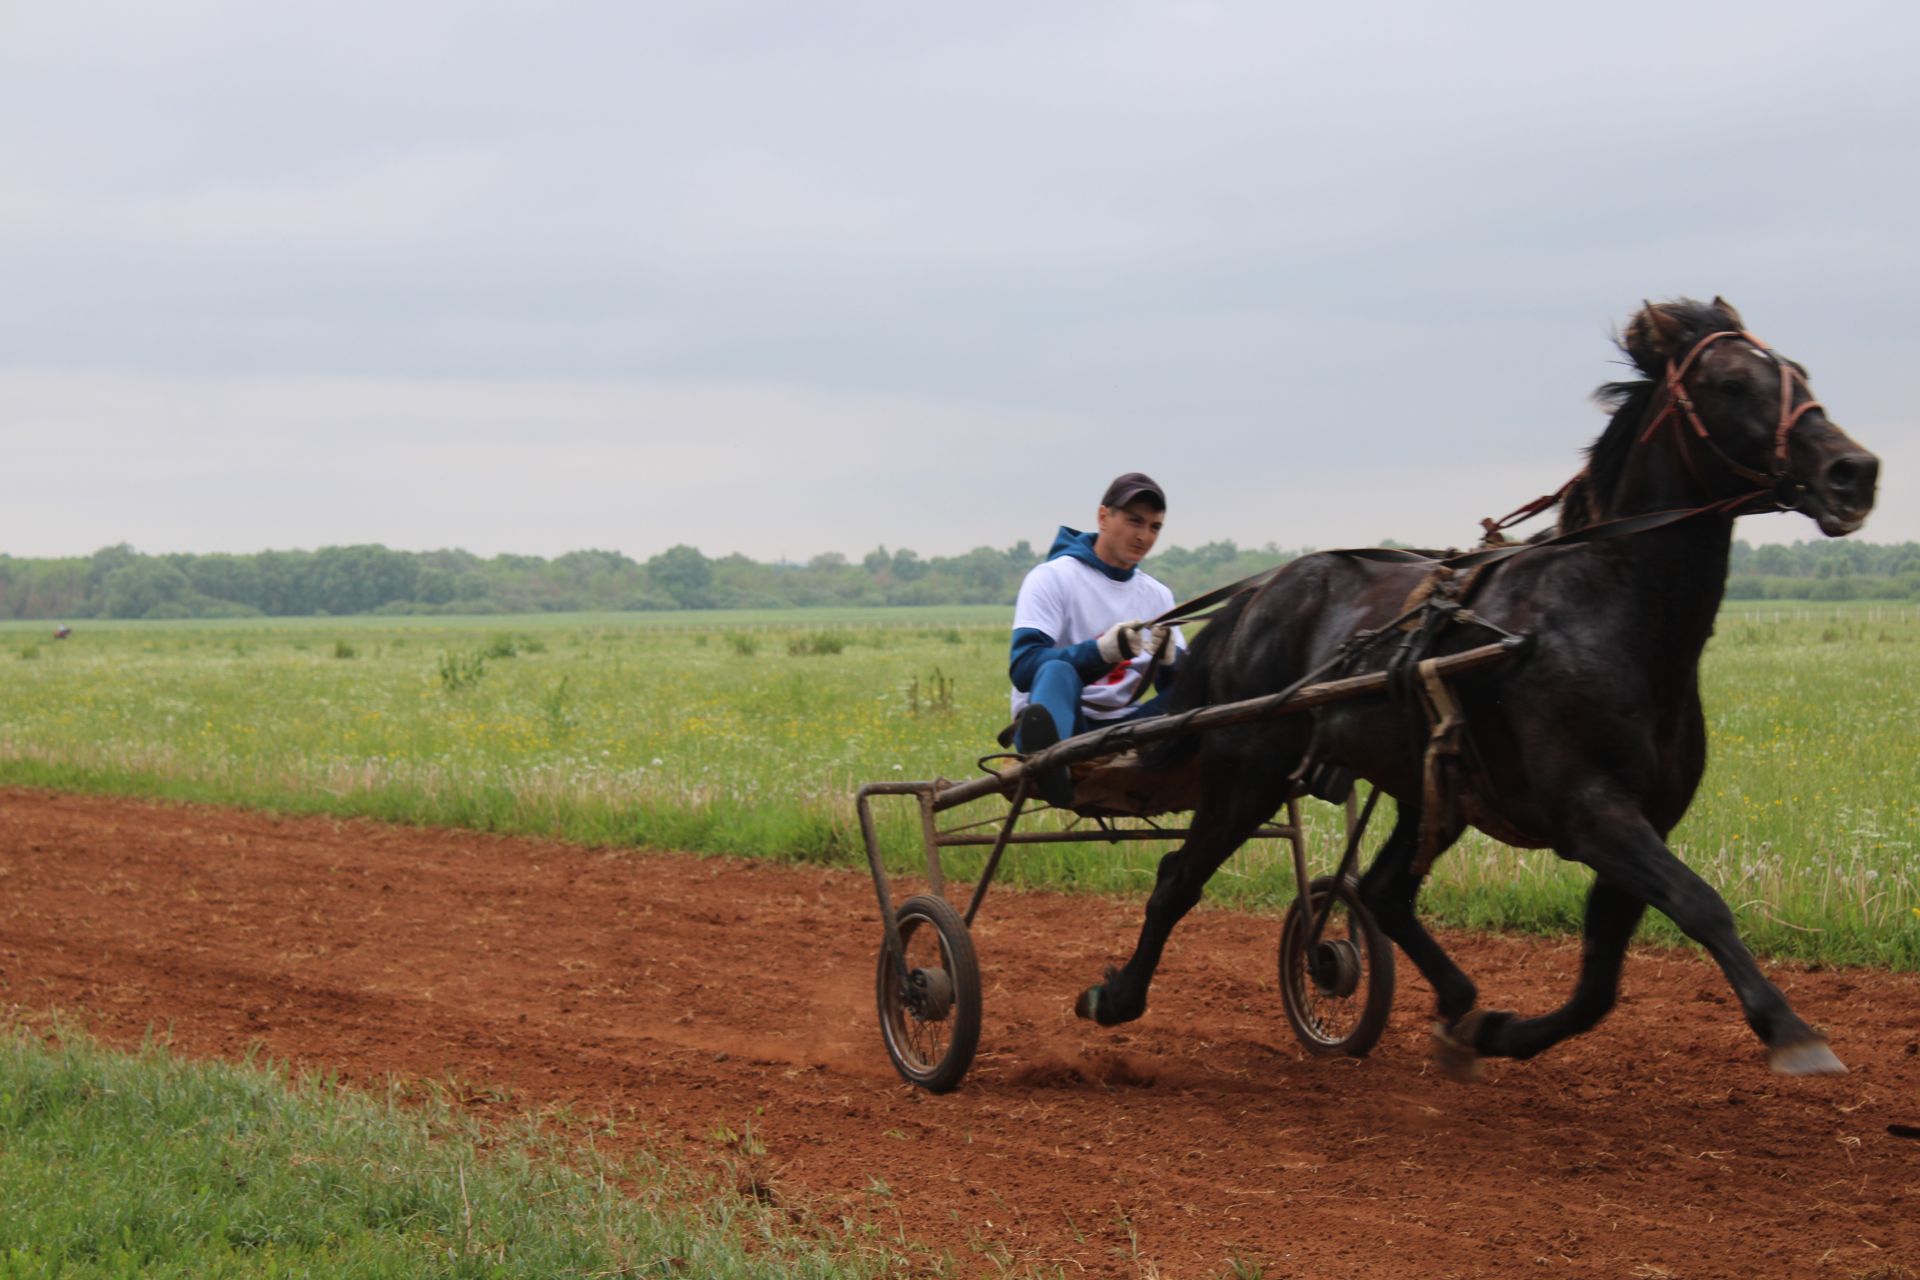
x=750 y=737
x=122 y=1165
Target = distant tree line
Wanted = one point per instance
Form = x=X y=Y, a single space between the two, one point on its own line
x=119 y=582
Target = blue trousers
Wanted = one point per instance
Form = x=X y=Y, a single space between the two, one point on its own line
x=1056 y=686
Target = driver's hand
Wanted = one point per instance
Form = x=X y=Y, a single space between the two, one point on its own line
x=1122 y=641
x=1159 y=642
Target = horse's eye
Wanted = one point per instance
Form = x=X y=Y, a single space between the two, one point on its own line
x=1732 y=388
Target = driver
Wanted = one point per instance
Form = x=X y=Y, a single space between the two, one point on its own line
x=1081 y=652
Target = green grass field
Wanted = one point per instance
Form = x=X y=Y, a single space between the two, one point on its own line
x=124 y=1165
x=748 y=732
x=742 y=733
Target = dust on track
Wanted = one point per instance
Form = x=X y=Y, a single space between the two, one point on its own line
x=685 y=995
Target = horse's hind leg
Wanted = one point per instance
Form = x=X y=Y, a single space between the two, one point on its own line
x=1221 y=825
x=1390 y=889
x=1612 y=916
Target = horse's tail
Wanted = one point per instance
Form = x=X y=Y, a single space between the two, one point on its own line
x=1193 y=686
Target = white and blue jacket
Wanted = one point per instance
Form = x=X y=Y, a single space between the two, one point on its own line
x=1065 y=604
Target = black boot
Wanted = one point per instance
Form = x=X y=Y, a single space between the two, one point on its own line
x=1035 y=733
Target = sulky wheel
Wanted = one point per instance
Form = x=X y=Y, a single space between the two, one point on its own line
x=1338 y=991
x=930 y=1015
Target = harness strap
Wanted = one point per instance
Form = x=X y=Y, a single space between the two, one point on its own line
x=1763 y=500
x=1438 y=785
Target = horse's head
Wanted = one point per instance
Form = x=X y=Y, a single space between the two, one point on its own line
x=1721 y=415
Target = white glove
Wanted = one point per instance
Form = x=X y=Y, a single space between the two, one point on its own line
x=1121 y=641
x=1160 y=644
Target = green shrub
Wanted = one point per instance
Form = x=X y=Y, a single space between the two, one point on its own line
x=461 y=670
x=935 y=698
x=816 y=644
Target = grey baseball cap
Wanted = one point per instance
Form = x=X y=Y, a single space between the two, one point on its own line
x=1134 y=484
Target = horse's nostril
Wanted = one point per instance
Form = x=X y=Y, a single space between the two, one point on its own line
x=1854 y=477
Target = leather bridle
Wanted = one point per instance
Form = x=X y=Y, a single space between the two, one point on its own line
x=1680 y=406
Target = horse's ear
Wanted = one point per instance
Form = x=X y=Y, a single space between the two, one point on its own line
x=1653 y=335
x=1670 y=330
x=1726 y=309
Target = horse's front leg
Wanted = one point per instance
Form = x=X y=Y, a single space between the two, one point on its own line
x=1221 y=825
x=1623 y=849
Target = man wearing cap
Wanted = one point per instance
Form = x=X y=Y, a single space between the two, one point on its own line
x=1081 y=652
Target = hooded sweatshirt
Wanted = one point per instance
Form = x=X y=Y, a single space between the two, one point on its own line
x=1065 y=604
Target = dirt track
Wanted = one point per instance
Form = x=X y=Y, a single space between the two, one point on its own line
x=699 y=993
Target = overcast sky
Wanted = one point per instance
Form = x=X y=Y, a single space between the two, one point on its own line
x=791 y=278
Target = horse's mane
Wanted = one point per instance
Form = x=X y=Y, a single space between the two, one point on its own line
x=1647 y=343
x=1607 y=456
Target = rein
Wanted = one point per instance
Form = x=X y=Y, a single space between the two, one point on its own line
x=1624 y=526
x=1765 y=496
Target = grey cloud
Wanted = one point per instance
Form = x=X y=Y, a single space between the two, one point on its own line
x=1272 y=233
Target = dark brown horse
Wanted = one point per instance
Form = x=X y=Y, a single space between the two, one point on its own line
x=1590 y=743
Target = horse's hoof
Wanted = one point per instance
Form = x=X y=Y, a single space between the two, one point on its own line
x=1454 y=1050
x=1808 y=1058
x=1096 y=1004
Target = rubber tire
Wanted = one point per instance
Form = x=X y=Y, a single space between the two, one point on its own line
x=963 y=968
x=1376 y=988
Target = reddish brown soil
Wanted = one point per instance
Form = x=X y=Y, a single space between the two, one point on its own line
x=699 y=993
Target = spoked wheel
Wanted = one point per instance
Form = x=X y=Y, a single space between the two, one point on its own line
x=1339 y=990
x=930 y=1015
